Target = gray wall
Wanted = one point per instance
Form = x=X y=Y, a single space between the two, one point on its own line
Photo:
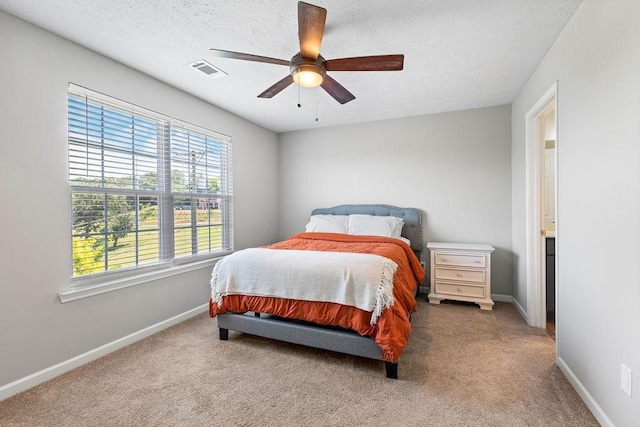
x=36 y=331
x=455 y=167
x=596 y=61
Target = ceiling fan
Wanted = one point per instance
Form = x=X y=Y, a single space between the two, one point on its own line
x=308 y=68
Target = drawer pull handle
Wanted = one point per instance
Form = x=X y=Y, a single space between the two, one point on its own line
x=459 y=289
x=459 y=274
x=476 y=261
x=444 y=259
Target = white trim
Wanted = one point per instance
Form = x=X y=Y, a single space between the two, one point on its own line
x=534 y=223
x=521 y=310
x=79 y=292
x=33 y=380
x=502 y=298
x=584 y=394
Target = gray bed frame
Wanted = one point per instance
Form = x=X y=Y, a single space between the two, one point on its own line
x=327 y=338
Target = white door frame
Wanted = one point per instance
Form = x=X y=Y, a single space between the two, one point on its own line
x=536 y=293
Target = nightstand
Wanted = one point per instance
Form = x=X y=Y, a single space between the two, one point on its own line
x=462 y=272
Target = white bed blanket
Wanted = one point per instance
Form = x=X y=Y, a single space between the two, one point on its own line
x=364 y=281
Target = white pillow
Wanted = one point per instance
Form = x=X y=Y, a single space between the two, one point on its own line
x=328 y=224
x=370 y=225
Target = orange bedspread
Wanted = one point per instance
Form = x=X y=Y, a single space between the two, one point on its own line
x=390 y=332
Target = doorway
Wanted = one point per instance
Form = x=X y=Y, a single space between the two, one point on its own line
x=548 y=143
x=542 y=207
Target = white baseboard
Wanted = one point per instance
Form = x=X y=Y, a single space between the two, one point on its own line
x=521 y=310
x=502 y=298
x=586 y=397
x=33 y=380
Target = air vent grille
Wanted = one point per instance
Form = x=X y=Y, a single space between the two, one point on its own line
x=207 y=69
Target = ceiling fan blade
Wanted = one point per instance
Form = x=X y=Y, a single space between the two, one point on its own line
x=248 y=57
x=277 y=88
x=336 y=90
x=311 y=20
x=367 y=63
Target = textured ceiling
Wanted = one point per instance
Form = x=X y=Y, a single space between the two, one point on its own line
x=459 y=54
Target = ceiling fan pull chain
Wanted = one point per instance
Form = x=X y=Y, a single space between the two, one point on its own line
x=299 y=105
x=316 y=105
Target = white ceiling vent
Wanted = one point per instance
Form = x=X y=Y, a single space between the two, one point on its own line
x=208 y=69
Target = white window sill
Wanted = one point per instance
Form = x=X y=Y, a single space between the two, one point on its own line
x=84 y=291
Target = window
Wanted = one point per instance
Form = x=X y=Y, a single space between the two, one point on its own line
x=146 y=189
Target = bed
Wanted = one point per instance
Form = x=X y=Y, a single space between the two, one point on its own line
x=256 y=315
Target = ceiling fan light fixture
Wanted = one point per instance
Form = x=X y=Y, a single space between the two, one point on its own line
x=307 y=75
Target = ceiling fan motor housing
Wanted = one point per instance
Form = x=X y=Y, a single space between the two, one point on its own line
x=307 y=72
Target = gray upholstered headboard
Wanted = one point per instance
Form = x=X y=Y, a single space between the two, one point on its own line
x=412 y=218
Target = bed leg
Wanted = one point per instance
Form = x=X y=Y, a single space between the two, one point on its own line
x=224 y=334
x=392 y=370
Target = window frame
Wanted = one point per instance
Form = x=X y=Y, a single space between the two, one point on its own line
x=168 y=262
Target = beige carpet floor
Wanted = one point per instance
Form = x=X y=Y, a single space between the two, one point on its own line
x=462 y=367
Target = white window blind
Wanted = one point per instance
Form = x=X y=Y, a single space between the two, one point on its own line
x=145 y=188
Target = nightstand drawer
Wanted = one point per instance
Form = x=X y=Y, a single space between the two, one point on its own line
x=444 y=258
x=459 y=274
x=460 y=290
